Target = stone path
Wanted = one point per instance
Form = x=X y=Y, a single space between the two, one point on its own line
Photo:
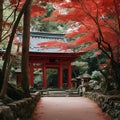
x=67 y=108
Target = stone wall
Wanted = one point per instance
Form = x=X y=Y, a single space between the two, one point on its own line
x=108 y=103
x=19 y=110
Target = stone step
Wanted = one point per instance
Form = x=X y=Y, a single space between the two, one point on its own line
x=60 y=94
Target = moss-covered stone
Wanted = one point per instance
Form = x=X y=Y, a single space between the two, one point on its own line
x=108 y=103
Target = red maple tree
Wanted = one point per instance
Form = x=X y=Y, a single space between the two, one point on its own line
x=99 y=23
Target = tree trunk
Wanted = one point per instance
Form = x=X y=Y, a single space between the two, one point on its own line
x=8 y=51
x=116 y=68
x=1 y=20
x=6 y=78
x=25 y=52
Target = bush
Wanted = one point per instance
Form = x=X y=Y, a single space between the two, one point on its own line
x=96 y=75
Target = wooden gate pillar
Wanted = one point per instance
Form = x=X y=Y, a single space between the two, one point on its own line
x=69 y=76
x=60 y=77
x=44 y=83
x=31 y=81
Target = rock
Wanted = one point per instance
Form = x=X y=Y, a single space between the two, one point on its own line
x=108 y=103
x=6 y=113
x=18 y=110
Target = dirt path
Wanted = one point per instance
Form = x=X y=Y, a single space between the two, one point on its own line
x=67 y=108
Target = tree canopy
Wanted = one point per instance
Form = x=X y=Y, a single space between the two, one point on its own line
x=96 y=22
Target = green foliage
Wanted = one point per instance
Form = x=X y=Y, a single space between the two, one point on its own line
x=96 y=75
x=48 y=26
x=80 y=68
x=9 y=15
x=50 y=9
x=52 y=80
x=93 y=64
x=37 y=78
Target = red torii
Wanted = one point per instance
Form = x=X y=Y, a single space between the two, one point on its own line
x=59 y=61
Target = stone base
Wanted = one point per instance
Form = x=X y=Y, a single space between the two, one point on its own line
x=21 y=109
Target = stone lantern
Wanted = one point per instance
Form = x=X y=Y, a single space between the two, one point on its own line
x=18 y=76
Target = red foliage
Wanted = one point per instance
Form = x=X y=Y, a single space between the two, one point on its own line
x=98 y=21
x=16 y=41
x=94 y=20
x=15 y=2
x=58 y=44
x=84 y=39
x=4 y=23
x=97 y=53
x=102 y=66
x=72 y=34
x=90 y=47
x=50 y=44
x=37 y=11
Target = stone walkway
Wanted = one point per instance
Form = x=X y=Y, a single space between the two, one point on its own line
x=67 y=108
